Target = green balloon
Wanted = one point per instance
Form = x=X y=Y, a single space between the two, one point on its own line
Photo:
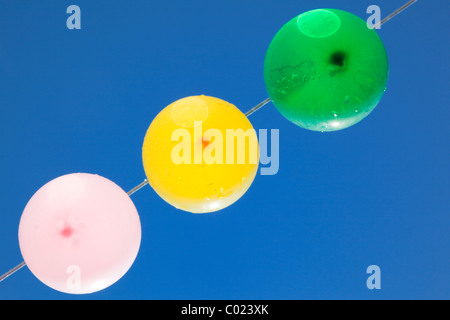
x=325 y=70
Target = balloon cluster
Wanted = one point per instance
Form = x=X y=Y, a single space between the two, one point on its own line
x=325 y=70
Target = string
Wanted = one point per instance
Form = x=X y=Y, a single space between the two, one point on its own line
x=10 y=272
x=248 y=113
x=257 y=107
x=138 y=187
x=396 y=12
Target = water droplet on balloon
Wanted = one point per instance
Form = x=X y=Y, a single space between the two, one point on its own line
x=347 y=99
x=223 y=194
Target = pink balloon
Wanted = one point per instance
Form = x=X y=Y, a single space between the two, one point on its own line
x=79 y=233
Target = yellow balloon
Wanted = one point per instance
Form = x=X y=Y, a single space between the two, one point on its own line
x=200 y=154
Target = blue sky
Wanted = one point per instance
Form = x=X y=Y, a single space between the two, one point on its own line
x=376 y=193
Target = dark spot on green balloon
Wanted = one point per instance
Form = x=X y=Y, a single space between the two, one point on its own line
x=338 y=59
